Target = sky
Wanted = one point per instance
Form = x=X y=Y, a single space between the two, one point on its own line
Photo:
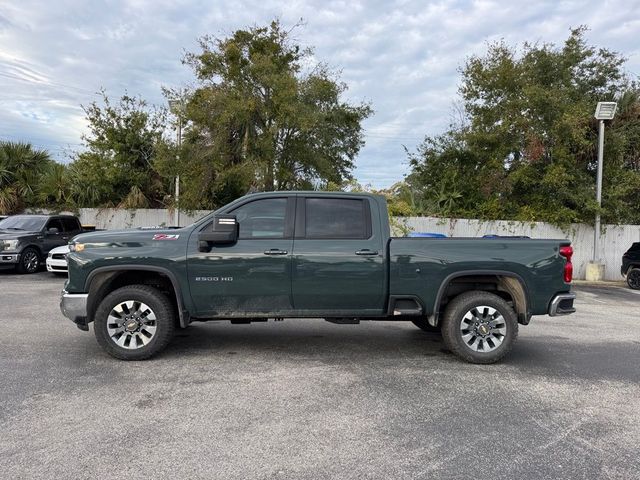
x=403 y=57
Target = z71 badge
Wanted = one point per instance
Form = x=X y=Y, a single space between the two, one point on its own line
x=165 y=236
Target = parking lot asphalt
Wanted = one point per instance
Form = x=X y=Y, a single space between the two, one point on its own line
x=306 y=399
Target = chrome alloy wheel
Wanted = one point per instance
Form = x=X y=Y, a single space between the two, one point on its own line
x=483 y=329
x=131 y=324
x=30 y=261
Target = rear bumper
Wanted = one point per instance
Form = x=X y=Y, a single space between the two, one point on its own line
x=74 y=307
x=9 y=258
x=562 y=304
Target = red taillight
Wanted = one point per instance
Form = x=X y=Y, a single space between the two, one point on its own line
x=567 y=252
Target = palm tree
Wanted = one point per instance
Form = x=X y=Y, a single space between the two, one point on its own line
x=54 y=185
x=21 y=167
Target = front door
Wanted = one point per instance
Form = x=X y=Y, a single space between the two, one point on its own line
x=338 y=258
x=253 y=276
x=52 y=240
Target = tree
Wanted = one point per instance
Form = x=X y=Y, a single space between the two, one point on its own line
x=118 y=166
x=527 y=148
x=260 y=120
x=21 y=168
x=54 y=187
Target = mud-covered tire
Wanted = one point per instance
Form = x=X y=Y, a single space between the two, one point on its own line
x=466 y=319
x=121 y=309
x=29 y=261
x=633 y=278
x=423 y=324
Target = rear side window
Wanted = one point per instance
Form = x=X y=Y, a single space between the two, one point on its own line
x=339 y=218
x=70 y=224
x=262 y=218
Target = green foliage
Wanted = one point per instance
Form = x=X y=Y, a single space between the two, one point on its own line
x=54 y=187
x=527 y=148
x=118 y=166
x=22 y=169
x=259 y=120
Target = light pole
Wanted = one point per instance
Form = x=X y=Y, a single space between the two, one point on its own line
x=177 y=106
x=604 y=111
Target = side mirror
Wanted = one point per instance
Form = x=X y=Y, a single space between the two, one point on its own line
x=53 y=230
x=224 y=231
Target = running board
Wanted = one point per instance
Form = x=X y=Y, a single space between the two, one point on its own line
x=343 y=320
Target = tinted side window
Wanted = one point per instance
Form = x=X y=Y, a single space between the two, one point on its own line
x=54 y=223
x=262 y=218
x=335 y=218
x=70 y=224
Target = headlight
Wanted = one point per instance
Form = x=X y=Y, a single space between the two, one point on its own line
x=9 y=244
x=76 y=247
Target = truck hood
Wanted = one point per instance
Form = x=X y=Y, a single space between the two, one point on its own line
x=130 y=238
x=15 y=234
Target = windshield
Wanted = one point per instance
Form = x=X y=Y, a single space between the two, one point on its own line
x=29 y=223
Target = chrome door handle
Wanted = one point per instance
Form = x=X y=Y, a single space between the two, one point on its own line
x=366 y=251
x=275 y=251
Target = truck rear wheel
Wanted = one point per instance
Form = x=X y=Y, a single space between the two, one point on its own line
x=134 y=322
x=479 y=327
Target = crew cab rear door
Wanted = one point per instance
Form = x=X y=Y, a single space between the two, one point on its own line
x=338 y=257
x=251 y=277
x=71 y=227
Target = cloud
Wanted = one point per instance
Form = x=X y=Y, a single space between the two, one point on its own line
x=402 y=56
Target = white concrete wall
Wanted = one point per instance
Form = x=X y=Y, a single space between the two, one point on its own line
x=615 y=240
x=115 y=219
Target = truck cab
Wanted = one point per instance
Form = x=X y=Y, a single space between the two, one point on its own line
x=305 y=254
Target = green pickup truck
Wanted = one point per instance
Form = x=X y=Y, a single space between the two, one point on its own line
x=311 y=254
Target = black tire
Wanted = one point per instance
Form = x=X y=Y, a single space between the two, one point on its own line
x=633 y=278
x=29 y=261
x=164 y=323
x=458 y=316
x=423 y=324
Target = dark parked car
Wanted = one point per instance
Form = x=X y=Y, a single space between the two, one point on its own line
x=631 y=266
x=25 y=240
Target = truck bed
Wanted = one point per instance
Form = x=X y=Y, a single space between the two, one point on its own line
x=419 y=266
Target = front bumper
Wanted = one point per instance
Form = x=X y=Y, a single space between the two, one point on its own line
x=9 y=258
x=562 y=304
x=74 y=307
x=56 y=265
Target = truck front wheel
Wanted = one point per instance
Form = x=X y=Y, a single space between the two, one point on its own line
x=479 y=327
x=134 y=322
x=29 y=261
